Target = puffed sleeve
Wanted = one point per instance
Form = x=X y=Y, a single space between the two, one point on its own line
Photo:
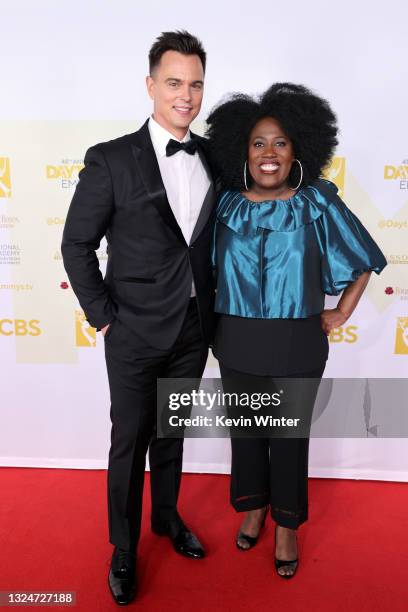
x=348 y=249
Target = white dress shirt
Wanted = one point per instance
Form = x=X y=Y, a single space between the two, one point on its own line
x=184 y=177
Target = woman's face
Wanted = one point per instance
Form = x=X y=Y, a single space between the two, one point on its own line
x=270 y=155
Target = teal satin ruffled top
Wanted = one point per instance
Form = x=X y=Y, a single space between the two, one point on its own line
x=278 y=258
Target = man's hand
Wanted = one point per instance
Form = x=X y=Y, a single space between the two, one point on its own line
x=331 y=318
x=104 y=329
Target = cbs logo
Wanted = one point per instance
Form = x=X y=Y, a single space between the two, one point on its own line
x=344 y=334
x=19 y=327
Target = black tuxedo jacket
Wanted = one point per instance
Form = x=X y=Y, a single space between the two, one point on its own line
x=150 y=266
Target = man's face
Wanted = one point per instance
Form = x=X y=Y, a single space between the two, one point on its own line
x=176 y=87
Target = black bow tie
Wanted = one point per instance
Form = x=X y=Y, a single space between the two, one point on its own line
x=173 y=146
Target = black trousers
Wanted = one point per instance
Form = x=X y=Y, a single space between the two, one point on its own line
x=270 y=471
x=133 y=370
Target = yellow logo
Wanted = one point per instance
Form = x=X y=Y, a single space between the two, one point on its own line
x=344 y=334
x=55 y=220
x=85 y=334
x=19 y=327
x=392 y=223
x=397 y=259
x=336 y=173
x=401 y=336
x=5 y=179
x=395 y=172
x=64 y=171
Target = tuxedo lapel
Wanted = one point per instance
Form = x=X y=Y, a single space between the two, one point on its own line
x=205 y=212
x=209 y=200
x=201 y=152
x=149 y=171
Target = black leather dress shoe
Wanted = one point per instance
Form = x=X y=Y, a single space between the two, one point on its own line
x=184 y=541
x=122 y=577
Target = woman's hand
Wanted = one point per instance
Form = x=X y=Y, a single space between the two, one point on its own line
x=331 y=318
x=335 y=317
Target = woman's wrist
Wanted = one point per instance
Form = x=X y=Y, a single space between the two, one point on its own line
x=344 y=311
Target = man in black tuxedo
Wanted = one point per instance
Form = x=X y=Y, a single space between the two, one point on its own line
x=150 y=193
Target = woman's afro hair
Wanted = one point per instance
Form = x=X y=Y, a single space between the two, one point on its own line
x=306 y=118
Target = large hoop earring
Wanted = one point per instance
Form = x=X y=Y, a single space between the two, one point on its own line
x=301 y=177
x=245 y=173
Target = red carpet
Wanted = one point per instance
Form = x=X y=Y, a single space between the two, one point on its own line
x=354 y=548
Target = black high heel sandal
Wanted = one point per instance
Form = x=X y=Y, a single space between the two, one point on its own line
x=251 y=540
x=280 y=563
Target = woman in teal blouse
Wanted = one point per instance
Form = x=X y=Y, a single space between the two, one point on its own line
x=283 y=240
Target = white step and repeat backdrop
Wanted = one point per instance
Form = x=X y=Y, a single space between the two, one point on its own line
x=73 y=75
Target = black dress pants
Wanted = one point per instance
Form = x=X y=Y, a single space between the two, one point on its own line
x=274 y=470
x=133 y=370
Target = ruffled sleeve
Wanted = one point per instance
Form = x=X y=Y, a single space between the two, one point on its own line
x=348 y=248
